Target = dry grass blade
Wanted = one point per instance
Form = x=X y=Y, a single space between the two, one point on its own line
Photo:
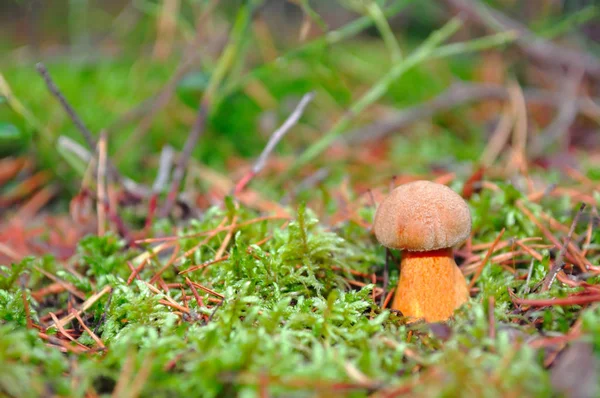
x=62 y=330
x=62 y=345
x=88 y=330
x=198 y=245
x=225 y=243
x=67 y=286
x=221 y=259
x=573 y=300
x=207 y=290
x=143 y=258
x=458 y=94
x=204 y=265
x=101 y=184
x=518 y=157
x=199 y=300
x=572 y=254
x=486 y=258
x=567 y=112
x=84 y=307
x=559 y=263
x=220 y=228
x=167 y=300
x=167 y=265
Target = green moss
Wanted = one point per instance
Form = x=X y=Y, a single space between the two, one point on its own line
x=294 y=314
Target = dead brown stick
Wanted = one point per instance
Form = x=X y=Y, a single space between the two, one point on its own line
x=572 y=300
x=70 y=111
x=559 y=263
x=88 y=330
x=66 y=285
x=54 y=90
x=532 y=45
x=199 y=300
x=273 y=141
x=84 y=307
x=457 y=94
x=101 y=185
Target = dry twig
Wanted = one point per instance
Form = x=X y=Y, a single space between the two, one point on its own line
x=87 y=134
x=559 y=263
x=532 y=45
x=457 y=94
x=486 y=258
x=274 y=140
x=101 y=186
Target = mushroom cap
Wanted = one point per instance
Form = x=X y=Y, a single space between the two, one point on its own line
x=422 y=216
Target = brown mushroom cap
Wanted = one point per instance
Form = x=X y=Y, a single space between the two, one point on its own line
x=422 y=216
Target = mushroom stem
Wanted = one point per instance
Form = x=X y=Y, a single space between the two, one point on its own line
x=431 y=286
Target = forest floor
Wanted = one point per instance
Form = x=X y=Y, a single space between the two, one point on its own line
x=201 y=223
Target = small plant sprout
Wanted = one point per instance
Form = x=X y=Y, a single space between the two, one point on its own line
x=425 y=220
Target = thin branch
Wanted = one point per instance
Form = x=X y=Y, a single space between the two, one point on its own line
x=456 y=95
x=274 y=140
x=87 y=134
x=559 y=262
x=532 y=45
x=70 y=111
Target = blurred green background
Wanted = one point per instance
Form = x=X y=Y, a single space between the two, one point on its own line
x=110 y=58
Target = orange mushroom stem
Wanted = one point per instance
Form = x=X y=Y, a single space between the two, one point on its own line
x=425 y=220
x=431 y=286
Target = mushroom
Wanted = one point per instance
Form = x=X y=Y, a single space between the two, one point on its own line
x=426 y=220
